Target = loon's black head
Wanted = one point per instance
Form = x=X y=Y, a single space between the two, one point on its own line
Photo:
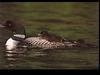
x=8 y=24
x=14 y=26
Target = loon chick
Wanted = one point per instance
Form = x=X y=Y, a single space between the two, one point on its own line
x=51 y=37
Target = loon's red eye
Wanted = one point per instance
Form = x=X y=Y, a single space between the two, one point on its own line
x=9 y=25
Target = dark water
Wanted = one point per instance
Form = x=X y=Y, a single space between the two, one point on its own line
x=50 y=59
x=53 y=59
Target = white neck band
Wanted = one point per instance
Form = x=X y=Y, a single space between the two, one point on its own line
x=20 y=35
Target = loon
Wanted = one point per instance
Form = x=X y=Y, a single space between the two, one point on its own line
x=18 y=44
x=51 y=37
x=44 y=40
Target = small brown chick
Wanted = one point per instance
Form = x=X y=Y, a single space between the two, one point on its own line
x=51 y=37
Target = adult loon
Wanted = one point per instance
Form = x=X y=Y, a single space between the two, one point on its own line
x=44 y=40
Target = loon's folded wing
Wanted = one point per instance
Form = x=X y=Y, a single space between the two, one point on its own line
x=43 y=43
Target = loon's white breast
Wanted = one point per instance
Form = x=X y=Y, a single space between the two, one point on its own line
x=11 y=43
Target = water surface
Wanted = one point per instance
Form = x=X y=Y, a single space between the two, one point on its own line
x=52 y=59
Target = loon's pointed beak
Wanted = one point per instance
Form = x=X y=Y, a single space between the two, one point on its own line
x=2 y=26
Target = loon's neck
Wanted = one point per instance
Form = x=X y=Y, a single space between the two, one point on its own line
x=18 y=37
x=18 y=33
